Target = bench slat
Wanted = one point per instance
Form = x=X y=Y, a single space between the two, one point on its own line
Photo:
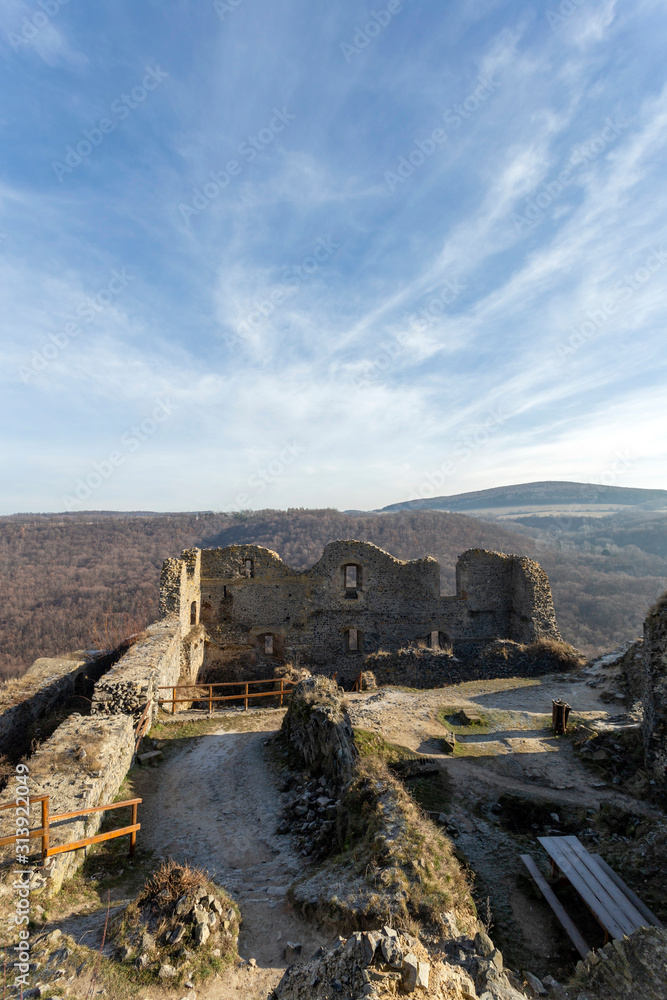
x=623 y=901
x=594 y=886
x=627 y=891
x=555 y=904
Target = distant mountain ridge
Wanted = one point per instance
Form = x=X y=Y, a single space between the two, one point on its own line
x=523 y=496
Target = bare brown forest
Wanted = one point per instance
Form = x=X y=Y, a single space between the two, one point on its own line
x=86 y=580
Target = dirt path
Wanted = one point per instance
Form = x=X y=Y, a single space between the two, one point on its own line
x=215 y=804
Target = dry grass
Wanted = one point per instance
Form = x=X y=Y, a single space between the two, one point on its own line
x=395 y=865
x=173 y=880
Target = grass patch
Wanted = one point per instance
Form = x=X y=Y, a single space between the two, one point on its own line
x=431 y=790
x=374 y=745
x=448 y=717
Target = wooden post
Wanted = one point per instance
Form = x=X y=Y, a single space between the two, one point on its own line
x=282 y=682
x=45 y=828
x=133 y=835
x=246 y=696
x=210 y=699
x=173 y=701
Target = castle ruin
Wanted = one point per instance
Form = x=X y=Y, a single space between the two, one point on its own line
x=243 y=605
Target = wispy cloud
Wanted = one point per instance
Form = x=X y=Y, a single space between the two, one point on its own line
x=306 y=300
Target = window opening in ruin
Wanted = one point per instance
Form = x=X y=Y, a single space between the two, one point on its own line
x=249 y=568
x=193 y=613
x=353 y=640
x=351 y=579
x=224 y=591
x=434 y=640
x=268 y=645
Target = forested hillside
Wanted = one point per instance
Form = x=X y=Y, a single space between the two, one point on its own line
x=81 y=580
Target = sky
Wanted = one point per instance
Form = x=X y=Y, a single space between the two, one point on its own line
x=329 y=255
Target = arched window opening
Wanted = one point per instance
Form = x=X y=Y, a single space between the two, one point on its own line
x=268 y=644
x=193 y=613
x=249 y=568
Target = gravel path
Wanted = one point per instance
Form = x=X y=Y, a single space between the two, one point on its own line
x=215 y=804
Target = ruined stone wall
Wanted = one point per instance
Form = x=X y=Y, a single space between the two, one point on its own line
x=319 y=730
x=508 y=597
x=532 y=616
x=654 y=696
x=180 y=589
x=152 y=662
x=45 y=686
x=249 y=593
x=83 y=764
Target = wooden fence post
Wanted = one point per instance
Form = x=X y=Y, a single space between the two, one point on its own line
x=173 y=701
x=45 y=828
x=282 y=682
x=246 y=696
x=133 y=835
x=210 y=699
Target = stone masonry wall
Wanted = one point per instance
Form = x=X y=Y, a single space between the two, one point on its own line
x=46 y=685
x=83 y=764
x=654 y=697
x=248 y=594
x=153 y=662
x=180 y=589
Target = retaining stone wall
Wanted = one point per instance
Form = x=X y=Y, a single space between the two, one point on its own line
x=152 y=662
x=46 y=685
x=83 y=764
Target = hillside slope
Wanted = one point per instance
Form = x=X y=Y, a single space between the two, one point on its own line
x=545 y=495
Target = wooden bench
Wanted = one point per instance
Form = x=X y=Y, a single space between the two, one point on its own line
x=616 y=908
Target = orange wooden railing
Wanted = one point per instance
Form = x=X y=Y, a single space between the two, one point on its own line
x=204 y=692
x=48 y=820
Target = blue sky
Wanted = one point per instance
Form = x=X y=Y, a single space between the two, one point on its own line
x=269 y=255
